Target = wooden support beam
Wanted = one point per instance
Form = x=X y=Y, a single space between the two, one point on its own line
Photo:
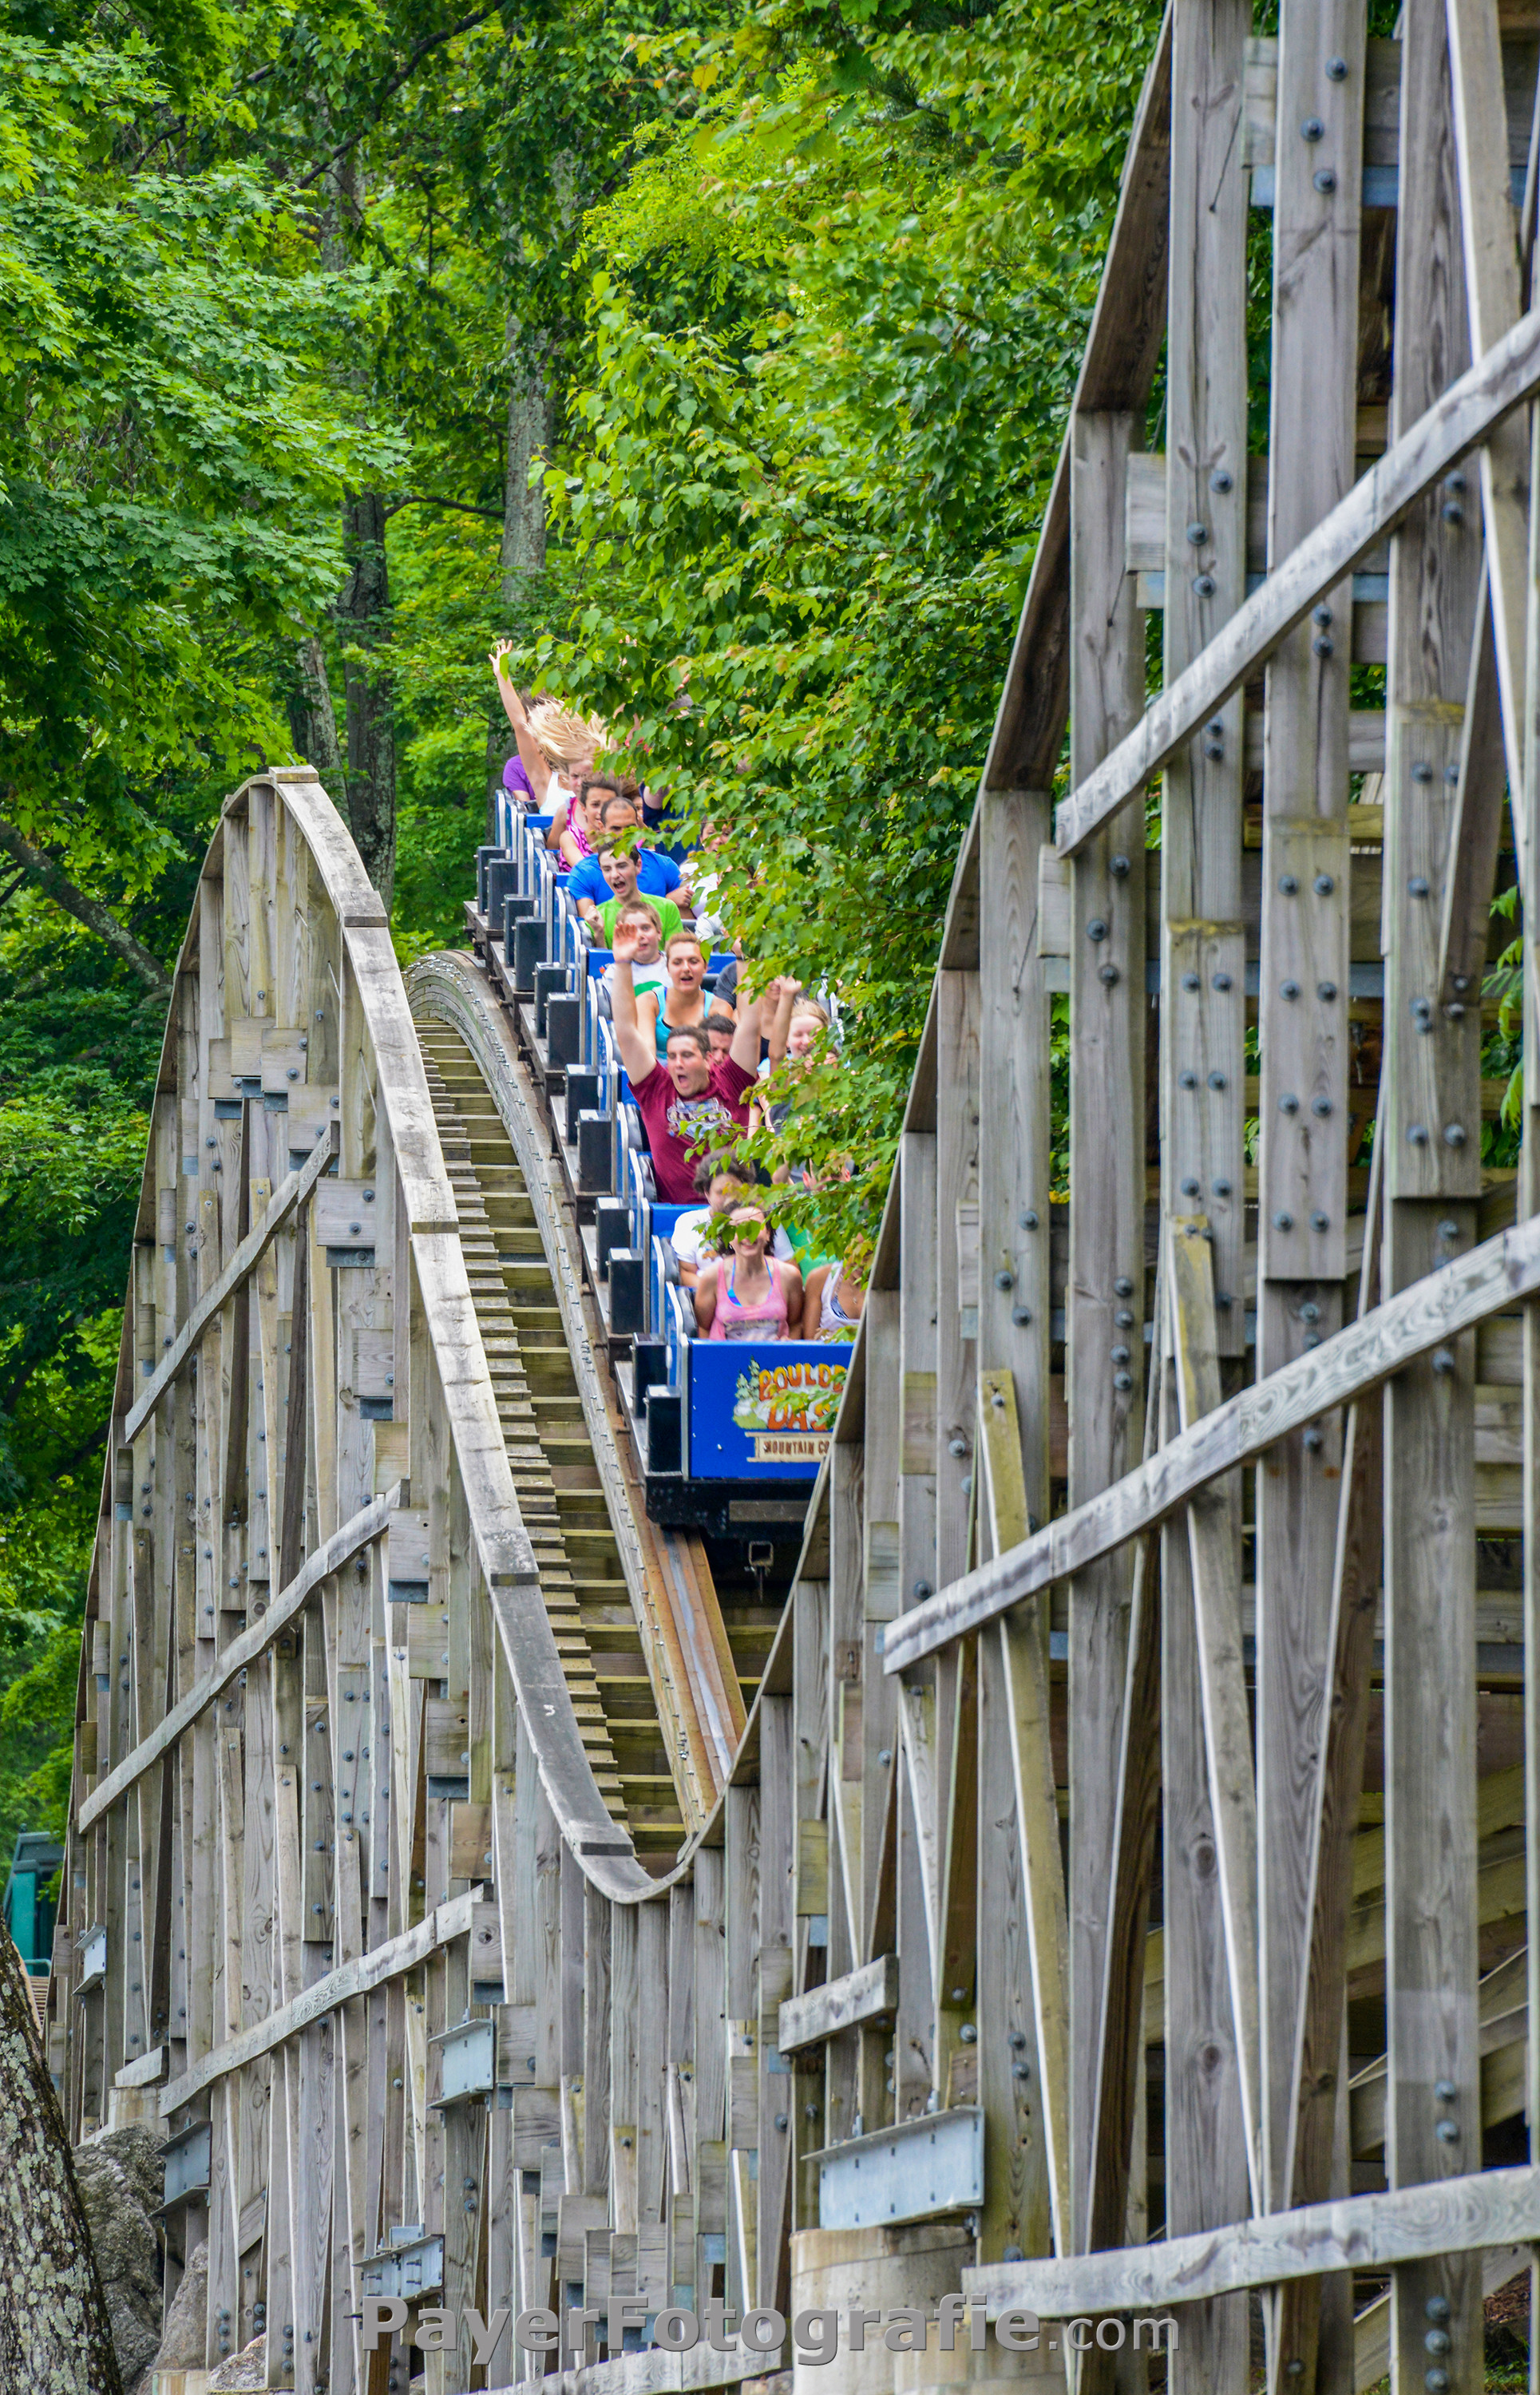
x=1105 y=678
x=1023 y=1656
x=1316 y=2094
x=244 y=1649
x=1431 y=447
x=1477 y=821
x=1428 y=1082
x=289 y=1194
x=861 y=1995
x=1209 y=2151
x=1424 y=1317
x=1308 y=1123
x=1362 y=2232
x=401 y=1954
x=1107 y=1012
x=1213 y=1521
x=1489 y=233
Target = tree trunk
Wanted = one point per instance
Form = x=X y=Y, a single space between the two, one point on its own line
x=523 y=536
x=54 y=2331
x=314 y=719
x=363 y=621
x=56 y=884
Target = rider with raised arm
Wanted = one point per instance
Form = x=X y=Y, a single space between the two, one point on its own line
x=694 y=1102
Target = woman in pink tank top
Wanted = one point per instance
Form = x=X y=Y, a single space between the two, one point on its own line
x=748 y=1293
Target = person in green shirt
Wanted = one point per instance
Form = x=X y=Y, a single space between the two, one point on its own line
x=648 y=970
x=620 y=868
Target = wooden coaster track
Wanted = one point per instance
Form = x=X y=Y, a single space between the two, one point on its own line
x=502 y=1904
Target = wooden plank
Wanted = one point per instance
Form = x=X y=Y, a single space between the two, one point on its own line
x=289 y=1194
x=918 y=1308
x=1407 y=1327
x=597 y=2046
x=881 y=1600
x=1476 y=825
x=957 y=1106
x=312 y=2161
x=1202 y=1119
x=1489 y=229
x=1214 y=1520
x=1137 y=1820
x=1106 y=1266
x=1005 y=2065
x=1432 y=1925
x=1014 y=1138
x=388 y=1962
x=1206 y=2158
x=1203 y=1055
x=1372 y=2326
x=1362 y=2232
x=866 y=1993
x=777 y=1918
x=1022 y=1654
x=1429 y=448
x=1428 y=1083
x=1316 y=2094
x=242 y=1651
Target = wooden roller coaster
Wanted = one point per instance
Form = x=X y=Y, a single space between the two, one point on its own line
x=1095 y=1875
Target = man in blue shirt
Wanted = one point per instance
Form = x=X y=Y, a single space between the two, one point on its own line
x=656 y=876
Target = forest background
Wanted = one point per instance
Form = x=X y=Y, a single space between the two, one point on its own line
x=699 y=347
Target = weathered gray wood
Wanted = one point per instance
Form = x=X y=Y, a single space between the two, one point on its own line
x=1431 y=1929
x=1305 y=1116
x=1363 y=2232
x=1316 y=2096
x=777 y=1918
x=1477 y=821
x=1429 y=448
x=1137 y=1820
x=1018 y=2208
x=389 y=1961
x=290 y=1194
x=349 y=1542
x=1215 y=1573
x=1489 y=229
x=918 y=1305
x=1025 y=1700
x=1206 y=2162
x=862 y=1996
x=957 y=1107
x=1105 y=1274
x=1201 y=1118
x=1014 y=1137
x=1426 y=1316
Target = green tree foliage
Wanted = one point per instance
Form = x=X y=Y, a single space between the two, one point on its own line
x=834 y=316
x=787 y=300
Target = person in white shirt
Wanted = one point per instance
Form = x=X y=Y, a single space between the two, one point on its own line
x=721 y=1182
x=648 y=970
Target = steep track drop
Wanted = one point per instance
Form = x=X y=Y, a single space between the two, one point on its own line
x=660 y=1664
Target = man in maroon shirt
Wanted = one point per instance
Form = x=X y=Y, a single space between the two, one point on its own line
x=695 y=1103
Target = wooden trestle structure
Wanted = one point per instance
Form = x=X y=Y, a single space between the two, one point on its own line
x=397 y=1717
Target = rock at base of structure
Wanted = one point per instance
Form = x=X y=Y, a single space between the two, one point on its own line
x=121 y=2178
x=187 y=2322
x=246 y=2370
